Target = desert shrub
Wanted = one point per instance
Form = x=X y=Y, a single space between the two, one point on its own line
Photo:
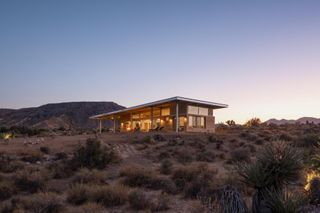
x=6 y=190
x=159 y=137
x=196 y=206
x=214 y=139
x=184 y=156
x=61 y=169
x=259 y=141
x=161 y=204
x=89 y=176
x=88 y=207
x=308 y=140
x=163 y=155
x=166 y=167
x=253 y=122
x=7 y=207
x=230 y=122
x=30 y=181
x=45 y=149
x=240 y=154
x=206 y=156
x=285 y=137
x=32 y=157
x=78 y=194
x=10 y=166
x=93 y=155
x=138 y=200
x=42 y=202
x=60 y=156
x=110 y=195
x=22 y=130
x=138 y=177
x=193 y=179
x=145 y=140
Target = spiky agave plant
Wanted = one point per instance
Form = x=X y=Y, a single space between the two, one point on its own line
x=284 y=202
x=277 y=166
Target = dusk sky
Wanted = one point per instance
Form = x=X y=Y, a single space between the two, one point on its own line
x=262 y=58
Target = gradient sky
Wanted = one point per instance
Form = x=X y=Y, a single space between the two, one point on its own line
x=260 y=57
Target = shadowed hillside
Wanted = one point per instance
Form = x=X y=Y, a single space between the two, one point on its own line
x=72 y=115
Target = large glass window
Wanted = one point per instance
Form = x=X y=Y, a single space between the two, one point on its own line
x=203 y=111
x=165 y=111
x=196 y=121
x=198 y=110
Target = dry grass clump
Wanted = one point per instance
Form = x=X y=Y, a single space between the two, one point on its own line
x=87 y=207
x=193 y=179
x=138 y=200
x=184 y=155
x=30 y=181
x=32 y=157
x=161 y=203
x=240 y=154
x=10 y=166
x=106 y=195
x=166 y=167
x=78 y=194
x=89 y=176
x=6 y=190
x=41 y=202
x=61 y=169
x=139 y=177
x=110 y=195
x=205 y=156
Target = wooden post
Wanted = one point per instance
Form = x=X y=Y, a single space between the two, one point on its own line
x=100 y=126
x=114 y=125
x=177 y=117
x=151 y=116
x=131 y=125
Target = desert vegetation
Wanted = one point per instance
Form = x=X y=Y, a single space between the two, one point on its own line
x=239 y=169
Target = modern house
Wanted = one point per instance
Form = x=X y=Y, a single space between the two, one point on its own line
x=173 y=114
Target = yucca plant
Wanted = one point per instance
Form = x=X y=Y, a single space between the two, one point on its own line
x=276 y=167
x=284 y=202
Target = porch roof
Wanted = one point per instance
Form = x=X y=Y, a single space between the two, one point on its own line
x=164 y=101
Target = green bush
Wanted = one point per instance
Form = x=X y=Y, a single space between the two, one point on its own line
x=93 y=155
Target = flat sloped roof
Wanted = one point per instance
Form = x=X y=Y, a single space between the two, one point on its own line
x=168 y=100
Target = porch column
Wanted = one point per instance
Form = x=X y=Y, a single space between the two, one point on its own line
x=177 y=117
x=100 y=126
x=151 y=117
x=114 y=125
x=131 y=125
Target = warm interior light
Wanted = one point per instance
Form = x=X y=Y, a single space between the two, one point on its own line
x=310 y=176
x=7 y=136
x=185 y=119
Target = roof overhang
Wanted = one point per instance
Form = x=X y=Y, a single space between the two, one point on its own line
x=168 y=100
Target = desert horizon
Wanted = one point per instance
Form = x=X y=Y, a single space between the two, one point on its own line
x=159 y=106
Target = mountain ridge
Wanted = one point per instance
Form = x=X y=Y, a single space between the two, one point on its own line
x=301 y=120
x=69 y=115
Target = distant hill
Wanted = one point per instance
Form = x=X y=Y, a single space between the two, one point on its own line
x=302 y=120
x=74 y=115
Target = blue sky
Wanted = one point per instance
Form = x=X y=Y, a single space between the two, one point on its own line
x=260 y=57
